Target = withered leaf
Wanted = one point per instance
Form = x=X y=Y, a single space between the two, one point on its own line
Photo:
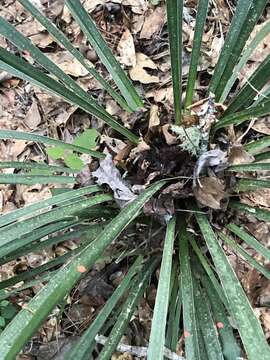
x=210 y=192
x=238 y=155
x=213 y=158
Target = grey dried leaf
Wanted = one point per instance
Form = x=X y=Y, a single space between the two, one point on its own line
x=108 y=174
x=216 y=159
x=238 y=155
x=210 y=192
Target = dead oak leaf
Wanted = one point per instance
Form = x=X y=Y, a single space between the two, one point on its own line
x=153 y=23
x=126 y=49
x=210 y=192
x=139 y=73
x=67 y=63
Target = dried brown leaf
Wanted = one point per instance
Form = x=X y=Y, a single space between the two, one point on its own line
x=138 y=72
x=153 y=23
x=126 y=49
x=238 y=155
x=210 y=192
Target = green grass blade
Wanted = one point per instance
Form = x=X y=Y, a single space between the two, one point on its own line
x=81 y=350
x=196 y=49
x=34 y=165
x=253 y=85
x=19 y=135
x=264 y=31
x=192 y=349
x=14 y=231
x=260 y=214
x=206 y=323
x=230 y=347
x=105 y=54
x=250 y=167
x=262 y=156
x=174 y=18
x=22 y=327
x=239 y=39
x=128 y=309
x=239 y=117
x=36 y=179
x=30 y=210
x=63 y=40
x=249 y=259
x=240 y=15
x=20 y=68
x=250 y=240
x=158 y=328
x=248 y=325
x=251 y=184
x=255 y=146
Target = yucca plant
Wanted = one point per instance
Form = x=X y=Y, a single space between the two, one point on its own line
x=199 y=295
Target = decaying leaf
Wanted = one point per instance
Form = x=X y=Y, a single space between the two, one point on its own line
x=108 y=174
x=210 y=192
x=170 y=139
x=153 y=23
x=238 y=155
x=68 y=63
x=213 y=158
x=154 y=117
x=126 y=49
x=262 y=126
x=32 y=118
x=138 y=72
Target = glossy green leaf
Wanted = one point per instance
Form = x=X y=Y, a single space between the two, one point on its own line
x=248 y=325
x=36 y=179
x=174 y=18
x=250 y=167
x=158 y=328
x=74 y=162
x=34 y=165
x=260 y=214
x=196 y=50
x=250 y=240
x=262 y=156
x=81 y=350
x=22 y=327
x=20 y=68
x=105 y=54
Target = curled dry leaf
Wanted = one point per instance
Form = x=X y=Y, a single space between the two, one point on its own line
x=138 y=72
x=126 y=49
x=238 y=155
x=153 y=23
x=154 y=117
x=262 y=126
x=257 y=198
x=170 y=139
x=108 y=174
x=32 y=118
x=213 y=158
x=210 y=192
x=67 y=63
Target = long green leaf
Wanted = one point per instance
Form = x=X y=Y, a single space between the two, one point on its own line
x=249 y=259
x=34 y=165
x=264 y=31
x=253 y=85
x=128 y=310
x=262 y=156
x=251 y=184
x=21 y=328
x=20 y=68
x=248 y=325
x=105 y=54
x=196 y=49
x=240 y=15
x=189 y=314
x=63 y=40
x=250 y=167
x=174 y=18
x=36 y=179
x=250 y=240
x=54 y=200
x=13 y=231
x=239 y=38
x=238 y=118
x=158 y=328
x=260 y=214
x=81 y=350
x=254 y=146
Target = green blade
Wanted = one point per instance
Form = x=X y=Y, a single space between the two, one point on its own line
x=196 y=49
x=250 y=240
x=260 y=214
x=262 y=156
x=36 y=179
x=30 y=210
x=250 y=167
x=248 y=325
x=20 y=68
x=157 y=335
x=105 y=54
x=255 y=146
x=34 y=165
x=249 y=259
x=191 y=333
x=28 y=320
x=174 y=18
x=264 y=31
x=63 y=40
x=128 y=309
x=251 y=185
x=81 y=350
x=253 y=85
x=238 y=118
